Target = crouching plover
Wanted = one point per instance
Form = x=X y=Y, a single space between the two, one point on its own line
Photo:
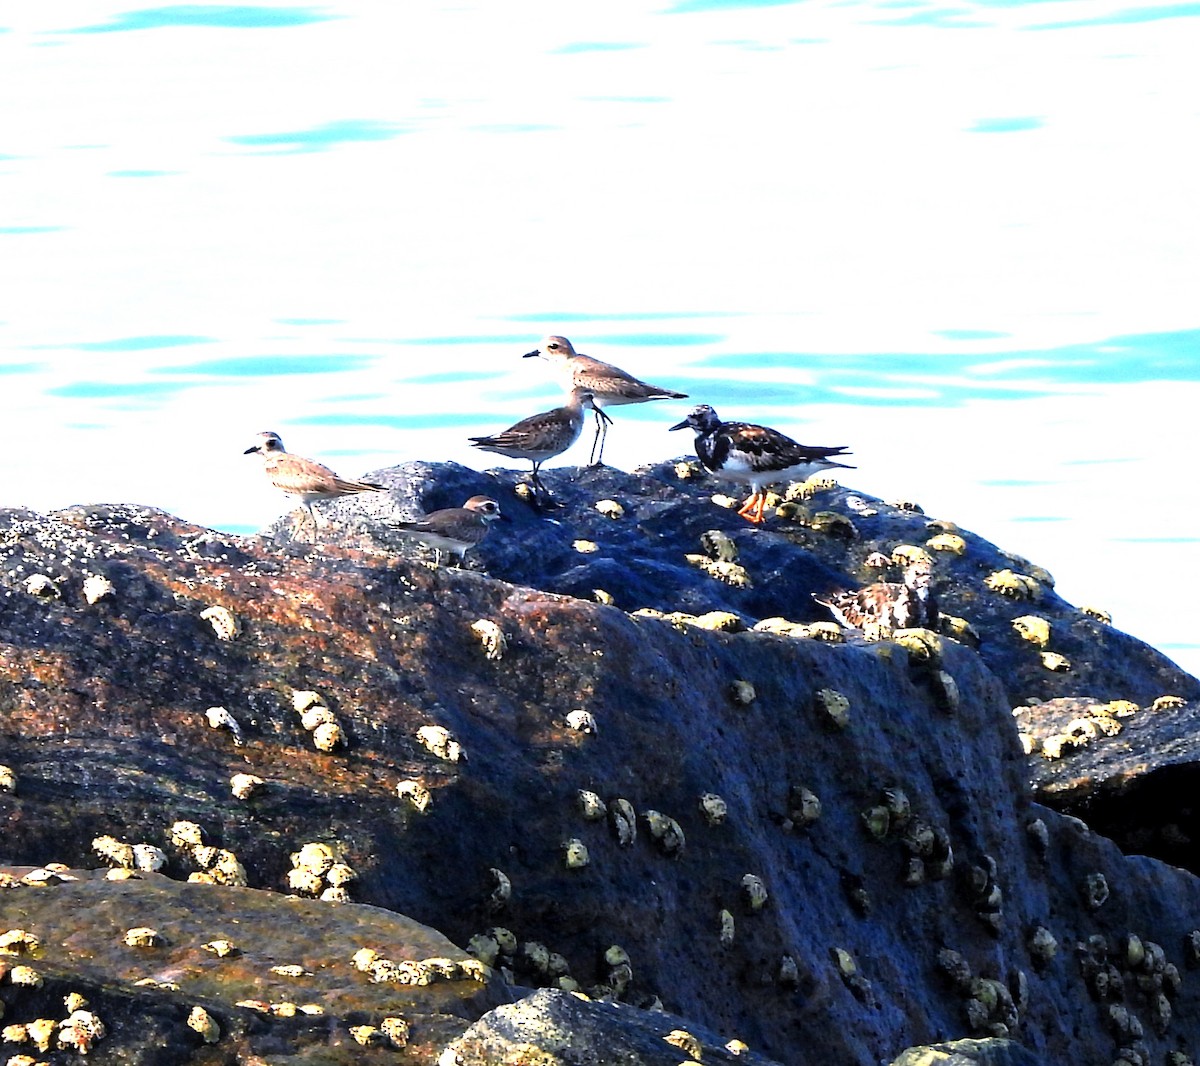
x=609 y=385
x=305 y=479
x=455 y=529
x=888 y=604
x=542 y=436
x=754 y=455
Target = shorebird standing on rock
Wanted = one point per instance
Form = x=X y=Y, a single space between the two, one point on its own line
x=542 y=436
x=305 y=479
x=455 y=529
x=754 y=455
x=609 y=385
x=888 y=604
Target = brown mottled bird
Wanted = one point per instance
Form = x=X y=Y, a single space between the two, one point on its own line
x=609 y=385
x=455 y=529
x=889 y=604
x=754 y=455
x=305 y=479
x=542 y=436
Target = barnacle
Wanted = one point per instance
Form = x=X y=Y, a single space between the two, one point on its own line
x=960 y=629
x=624 y=821
x=600 y=596
x=142 y=937
x=610 y=509
x=581 y=721
x=781 y=626
x=328 y=736
x=945 y=690
x=736 y=1047
x=115 y=851
x=202 y=1022
x=833 y=524
x=416 y=794
x=1168 y=703
x=340 y=873
x=907 y=554
x=290 y=970
x=80 y=1030
x=335 y=894
x=315 y=717
x=186 y=834
x=1097 y=613
x=223 y=621
x=828 y=632
x=395 y=1031
x=8 y=779
x=665 y=832
x=18 y=942
x=1013 y=585
x=834 y=706
x=1095 y=890
x=1042 y=946
x=314 y=856
x=221 y=948
x=713 y=808
x=1122 y=708
x=923 y=645
x=366 y=1035
x=725 y=928
x=43 y=587
x=754 y=892
x=244 y=786
x=742 y=692
x=803 y=807
x=440 y=742
x=219 y=718
x=503 y=887
x=877 y=821
x=491 y=637
x=719 y=545
x=687 y=469
x=148 y=858
x=40 y=1031
x=1033 y=628
x=303 y=699
x=97 y=587
x=591 y=805
x=1051 y=660
x=730 y=573
x=899 y=806
x=947 y=542
x=720 y=622
x=686 y=1043
x=575 y=854
x=585 y=547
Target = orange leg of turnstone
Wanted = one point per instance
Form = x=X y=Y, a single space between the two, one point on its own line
x=752 y=509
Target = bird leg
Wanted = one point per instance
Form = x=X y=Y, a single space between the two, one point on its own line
x=602 y=424
x=752 y=508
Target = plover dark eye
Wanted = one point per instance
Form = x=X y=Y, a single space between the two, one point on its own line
x=551 y=345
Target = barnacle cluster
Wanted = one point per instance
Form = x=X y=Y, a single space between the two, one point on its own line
x=218 y=866
x=318 y=719
x=491 y=637
x=991 y=1006
x=417 y=972
x=1013 y=585
x=924 y=646
x=665 y=832
x=907 y=554
x=317 y=871
x=43 y=587
x=730 y=573
x=623 y=821
x=440 y=742
x=960 y=629
x=1078 y=733
x=847 y=968
x=719 y=622
x=143 y=857
x=982 y=891
x=719 y=545
x=223 y=621
x=591 y=806
x=1130 y=973
x=1168 y=703
x=1097 y=613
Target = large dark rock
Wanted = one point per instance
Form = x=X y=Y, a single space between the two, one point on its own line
x=931 y=900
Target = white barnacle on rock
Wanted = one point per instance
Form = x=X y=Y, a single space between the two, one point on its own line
x=220 y=718
x=340 y=873
x=97 y=587
x=947 y=542
x=328 y=736
x=18 y=942
x=8 y=779
x=303 y=699
x=40 y=1031
x=742 y=692
x=113 y=850
x=80 y=1030
x=1042 y=945
x=575 y=854
x=1095 y=890
x=312 y=718
x=686 y=1043
x=396 y=1030
x=834 y=706
x=440 y=742
x=142 y=937
x=148 y=858
x=43 y=587
x=602 y=596
x=186 y=834
x=623 y=819
x=665 y=832
x=581 y=721
x=924 y=646
x=585 y=547
x=725 y=928
x=366 y=1035
x=1168 y=703
x=335 y=894
x=719 y=545
x=610 y=509
x=290 y=969
x=591 y=806
x=502 y=887
x=491 y=637
x=754 y=892
x=736 y=1047
x=223 y=621
x=221 y=948
x=714 y=808
x=1014 y=586
x=1033 y=628
x=416 y=794
x=314 y=856
x=202 y=1022
x=1052 y=660
x=363 y=958
x=226 y=870
x=244 y=786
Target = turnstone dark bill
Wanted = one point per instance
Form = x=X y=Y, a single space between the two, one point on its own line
x=542 y=436
x=455 y=529
x=305 y=479
x=754 y=455
x=609 y=385
x=888 y=604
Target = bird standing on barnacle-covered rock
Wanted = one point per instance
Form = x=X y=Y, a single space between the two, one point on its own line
x=609 y=385
x=455 y=529
x=306 y=479
x=542 y=436
x=754 y=455
x=888 y=604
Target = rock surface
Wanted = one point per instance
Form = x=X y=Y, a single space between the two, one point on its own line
x=834 y=853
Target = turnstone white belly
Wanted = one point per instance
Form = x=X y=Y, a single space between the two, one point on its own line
x=754 y=455
x=609 y=385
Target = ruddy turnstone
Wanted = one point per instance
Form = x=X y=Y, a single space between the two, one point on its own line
x=542 y=436
x=455 y=529
x=754 y=455
x=888 y=604
x=609 y=385
x=306 y=479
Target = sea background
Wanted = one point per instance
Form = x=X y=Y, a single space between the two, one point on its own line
x=959 y=238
